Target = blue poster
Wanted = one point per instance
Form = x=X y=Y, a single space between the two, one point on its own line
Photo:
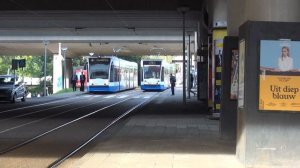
x=280 y=55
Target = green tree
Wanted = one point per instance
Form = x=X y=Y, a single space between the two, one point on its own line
x=34 y=66
x=5 y=64
x=78 y=61
x=136 y=59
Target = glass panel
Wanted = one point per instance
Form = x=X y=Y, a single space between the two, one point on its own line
x=99 y=68
x=7 y=80
x=152 y=72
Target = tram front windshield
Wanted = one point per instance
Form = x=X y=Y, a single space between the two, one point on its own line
x=152 y=72
x=99 y=68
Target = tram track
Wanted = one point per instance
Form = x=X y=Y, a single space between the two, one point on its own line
x=11 y=128
x=3 y=125
x=35 y=105
x=58 y=100
x=62 y=159
x=119 y=115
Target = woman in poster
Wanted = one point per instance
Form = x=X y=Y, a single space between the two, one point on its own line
x=285 y=61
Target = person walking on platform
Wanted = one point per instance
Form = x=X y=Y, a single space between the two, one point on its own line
x=191 y=84
x=173 y=82
x=82 y=81
x=74 y=80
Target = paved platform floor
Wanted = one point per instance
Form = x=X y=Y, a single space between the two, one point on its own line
x=166 y=134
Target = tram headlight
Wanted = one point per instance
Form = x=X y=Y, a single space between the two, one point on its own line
x=105 y=82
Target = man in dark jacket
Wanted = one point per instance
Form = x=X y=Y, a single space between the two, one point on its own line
x=82 y=81
x=173 y=82
x=74 y=81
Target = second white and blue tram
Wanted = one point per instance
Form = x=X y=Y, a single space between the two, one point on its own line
x=111 y=74
x=156 y=74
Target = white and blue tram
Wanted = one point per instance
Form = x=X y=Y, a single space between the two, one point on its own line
x=156 y=74
x=111 y=74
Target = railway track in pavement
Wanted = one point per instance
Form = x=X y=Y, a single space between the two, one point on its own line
x=74 y=129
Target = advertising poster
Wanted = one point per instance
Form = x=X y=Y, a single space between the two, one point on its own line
x=218 y=37
x=57 y=76
x=279 y=80
x=242 y=51
x=218 y=73
x=234 y=75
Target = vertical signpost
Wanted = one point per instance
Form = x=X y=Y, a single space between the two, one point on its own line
x=183 y=10
x=45 y=66
x=16 y=64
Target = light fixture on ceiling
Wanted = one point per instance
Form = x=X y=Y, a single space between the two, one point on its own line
x=64 y=50
x=91 y=53
x=118 y=49
x=157 y=50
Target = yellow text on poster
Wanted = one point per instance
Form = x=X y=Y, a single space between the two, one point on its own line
x=279 y=93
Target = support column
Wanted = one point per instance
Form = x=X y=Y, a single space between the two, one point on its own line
x=264 y=138
x=218 y=11
x=57 y=71
x=69 y=71
x=239 y=11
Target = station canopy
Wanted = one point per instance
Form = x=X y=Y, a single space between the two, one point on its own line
x=108 y=27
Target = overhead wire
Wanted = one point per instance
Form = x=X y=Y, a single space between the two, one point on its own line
x=120 y=18
x=38 y=14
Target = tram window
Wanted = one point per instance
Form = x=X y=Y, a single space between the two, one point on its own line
x=99 y=74
x=111 y=76
x=116 y=74
x=162 y=73
x=99 y=71
x=151 y=72
x=142 y=76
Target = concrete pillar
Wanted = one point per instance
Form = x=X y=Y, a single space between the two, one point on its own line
x=267 y=137
x=69 y=71
x=263 y=139
x=239 y=11
x=57 y=73
x=235 y=16
x=218 y=12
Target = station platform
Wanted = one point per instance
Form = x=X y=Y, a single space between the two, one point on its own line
x=165 y=134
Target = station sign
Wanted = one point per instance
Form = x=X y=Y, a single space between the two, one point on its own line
x=18 y=63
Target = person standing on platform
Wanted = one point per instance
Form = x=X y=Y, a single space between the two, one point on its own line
x=74 y=80
x=82 y=81
x=192 y=84
x=173 y=82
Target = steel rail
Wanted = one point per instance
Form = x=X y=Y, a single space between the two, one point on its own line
x=59 y=127
x=38 y=111
x=37 y=105
x=54 y=115
x=61 y=160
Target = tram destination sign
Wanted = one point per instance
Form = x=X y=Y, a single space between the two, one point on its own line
x=152 y=63
x=99 y=60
